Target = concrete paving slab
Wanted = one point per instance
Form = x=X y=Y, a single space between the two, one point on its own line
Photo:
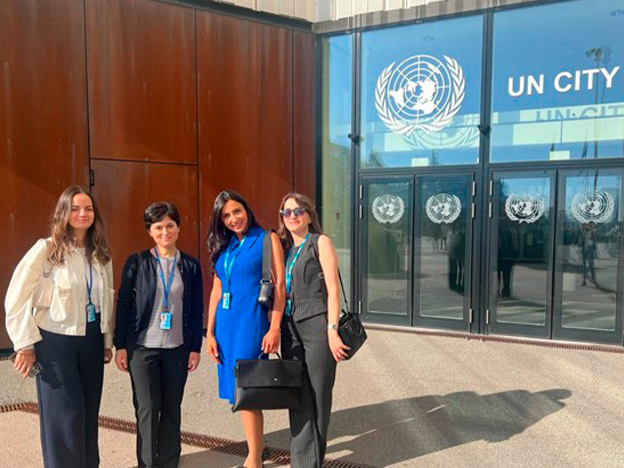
x=428 y=401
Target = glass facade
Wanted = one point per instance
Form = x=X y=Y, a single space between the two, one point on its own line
x=513 y=229
x=558 y=82
x=337 y=172
x=421 y=94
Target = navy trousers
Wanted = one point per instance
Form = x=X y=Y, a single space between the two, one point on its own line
x=69 y=391
x=158 y=379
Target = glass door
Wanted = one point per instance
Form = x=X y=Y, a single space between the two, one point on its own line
x=588 y=302
x=521 y=226
x=442 y=257
x=386 y=240
x=415 y=249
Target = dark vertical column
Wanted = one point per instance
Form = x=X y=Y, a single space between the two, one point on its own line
x=305 y=102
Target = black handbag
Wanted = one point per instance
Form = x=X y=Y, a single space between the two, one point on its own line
x=267 y=288
x=350 y=328
x=265 y=384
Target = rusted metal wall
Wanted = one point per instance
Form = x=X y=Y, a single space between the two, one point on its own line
x=43 y=120
x=162 y=102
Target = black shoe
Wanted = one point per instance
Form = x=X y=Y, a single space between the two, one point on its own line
x=266 y=454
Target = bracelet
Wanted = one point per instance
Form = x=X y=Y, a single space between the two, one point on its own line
x=332 y=326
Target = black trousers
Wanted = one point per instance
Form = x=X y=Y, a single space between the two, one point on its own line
x=69 y=391
x=158 y=379
x=307 y=341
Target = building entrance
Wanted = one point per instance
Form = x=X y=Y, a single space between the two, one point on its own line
x=415 y=249
x=552 y=261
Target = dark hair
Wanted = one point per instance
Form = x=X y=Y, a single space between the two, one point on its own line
x=63 y=236
x=218 y=235
x=158 y=211
x=304 y=202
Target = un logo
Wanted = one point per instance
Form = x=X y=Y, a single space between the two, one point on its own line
x=593 y=206
x=443 y=208
x=388 y=209
x=524 y=207
x=421 y=93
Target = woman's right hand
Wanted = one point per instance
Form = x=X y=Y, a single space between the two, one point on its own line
x=121 y=359
x=24 y=361
x=212 y=348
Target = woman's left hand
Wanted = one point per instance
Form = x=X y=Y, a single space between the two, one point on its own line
x=193 y=361
x=337 y=347
x=108 y=355
x=270 y=342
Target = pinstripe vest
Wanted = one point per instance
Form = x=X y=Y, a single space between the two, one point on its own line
x=308 y=293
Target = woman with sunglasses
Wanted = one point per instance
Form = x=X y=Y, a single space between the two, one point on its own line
x=239 y=327
x=310 y=325
x=59 y=316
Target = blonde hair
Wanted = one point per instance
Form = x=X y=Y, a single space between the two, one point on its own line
x=62 y=233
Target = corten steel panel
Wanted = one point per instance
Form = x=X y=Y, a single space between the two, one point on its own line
x=125 y=189
x=304 y=120
x=43 y=126
x=142 y=89
x=245 y=113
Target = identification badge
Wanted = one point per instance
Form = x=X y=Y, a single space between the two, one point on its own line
x=165 y=320
x=90 y=312
x=227 y=300
x=288 y=309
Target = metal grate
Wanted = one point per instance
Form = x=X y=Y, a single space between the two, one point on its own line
x=217 y=444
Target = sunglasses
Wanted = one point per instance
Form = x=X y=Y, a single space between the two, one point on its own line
x=297 y=212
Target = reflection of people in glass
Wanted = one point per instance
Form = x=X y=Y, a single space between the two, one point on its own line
x=587 y=242
x=456 y=247
x=507 y=255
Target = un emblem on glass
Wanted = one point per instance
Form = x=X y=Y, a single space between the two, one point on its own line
x=421 y=93
x=443 y=208
x=524 y=207
x=593 y=206
x=388 y=209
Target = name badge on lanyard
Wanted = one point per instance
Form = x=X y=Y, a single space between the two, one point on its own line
x=91 y=309
x=289 y=269
x=226 y=300
x=165 y=315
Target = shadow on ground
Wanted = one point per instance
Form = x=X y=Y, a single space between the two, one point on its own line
x=399 y=430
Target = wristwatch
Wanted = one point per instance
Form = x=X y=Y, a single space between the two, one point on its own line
x=332 y=326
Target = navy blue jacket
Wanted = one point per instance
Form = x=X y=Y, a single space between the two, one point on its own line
x=135 y=301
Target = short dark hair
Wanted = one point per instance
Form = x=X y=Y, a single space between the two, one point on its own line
x=158 y=211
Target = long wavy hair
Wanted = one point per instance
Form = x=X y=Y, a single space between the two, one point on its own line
x=304 y=202
x=63 y=238
x=218 y=235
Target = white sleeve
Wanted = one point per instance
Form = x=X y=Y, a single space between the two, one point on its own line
x=20 y=323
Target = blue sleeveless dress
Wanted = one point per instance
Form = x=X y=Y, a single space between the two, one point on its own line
x=239 y=330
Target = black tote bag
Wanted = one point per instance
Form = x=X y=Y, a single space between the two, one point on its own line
x=266 y=384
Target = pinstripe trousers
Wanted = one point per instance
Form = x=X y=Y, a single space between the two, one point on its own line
x=307 y=341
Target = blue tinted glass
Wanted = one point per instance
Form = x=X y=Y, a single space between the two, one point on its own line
x=337 y=159
x=558 y=82
x=421 y=94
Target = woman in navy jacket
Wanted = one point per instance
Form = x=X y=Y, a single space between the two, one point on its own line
x=158 y=334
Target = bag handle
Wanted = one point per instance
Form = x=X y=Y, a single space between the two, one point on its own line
x=344 y=294
x=267 y=253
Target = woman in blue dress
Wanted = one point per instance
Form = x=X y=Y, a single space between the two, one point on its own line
x=238 y=327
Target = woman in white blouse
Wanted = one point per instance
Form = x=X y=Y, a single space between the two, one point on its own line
x=59 y=313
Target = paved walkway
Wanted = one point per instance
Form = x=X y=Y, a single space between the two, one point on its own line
x=405 y=401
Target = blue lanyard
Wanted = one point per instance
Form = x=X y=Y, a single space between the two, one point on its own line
x=166 y=287
x=290 y=266
x=89 y=282
x=228 y=266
